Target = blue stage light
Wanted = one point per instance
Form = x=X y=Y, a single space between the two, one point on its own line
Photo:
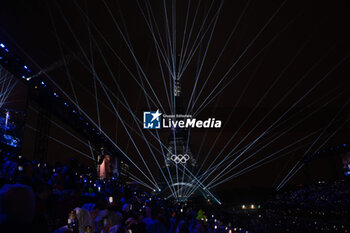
x=55 y=94
x=65 y=104
x=344 y=144
x=2 y=45
x=25 y=67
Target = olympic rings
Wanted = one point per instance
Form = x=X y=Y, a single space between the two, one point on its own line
x=180 y=158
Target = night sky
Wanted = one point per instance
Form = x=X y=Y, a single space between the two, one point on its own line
x=291 y=53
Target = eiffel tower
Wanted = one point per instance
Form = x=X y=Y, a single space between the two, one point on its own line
x=179 y=158
x=178 y=142
x=179 y=161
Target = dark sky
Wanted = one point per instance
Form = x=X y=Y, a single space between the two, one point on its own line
x=293 y=53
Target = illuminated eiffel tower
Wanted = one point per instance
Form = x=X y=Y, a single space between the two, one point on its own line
x=180 y=162
x=179 y=151
x=179 y=158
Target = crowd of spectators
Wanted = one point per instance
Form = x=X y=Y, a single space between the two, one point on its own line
x=36 y=197
x=319 y=207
